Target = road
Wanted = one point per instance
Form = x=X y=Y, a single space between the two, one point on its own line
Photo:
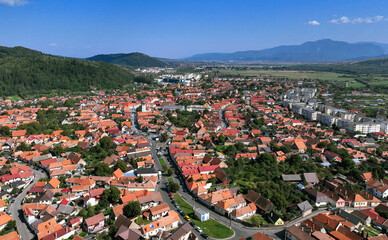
x=222 y=116
x=15 y=208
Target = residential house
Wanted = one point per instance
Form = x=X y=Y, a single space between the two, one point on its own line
x=94 y=224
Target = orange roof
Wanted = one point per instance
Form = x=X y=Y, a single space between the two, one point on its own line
x=19 y=133
x=5 y=218
x=118 y=173
x=10 y=236
x=166 y=221
x=54 y=182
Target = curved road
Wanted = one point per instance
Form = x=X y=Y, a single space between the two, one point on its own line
x=15 y=208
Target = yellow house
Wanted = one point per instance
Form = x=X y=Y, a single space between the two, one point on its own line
x=275 y=219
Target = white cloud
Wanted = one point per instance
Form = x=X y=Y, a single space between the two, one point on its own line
x=53 y=44
x=313 y=22
x=13 y=3
x=345 y=19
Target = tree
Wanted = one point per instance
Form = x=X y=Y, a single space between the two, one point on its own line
x=102 y=169
x=57 y=150
x=5 y=131
x=294 y=160
x=120 y=164
x=140 y=179
x=70 y=103
x=113 y=230
x=221 y=139
x=174 y=187
x=10 y=225
x=103 y=236
x=169 y=172
x=112 y=194
x=164 y=137
x=132 y=209
x=23 y=147
x=106 y=143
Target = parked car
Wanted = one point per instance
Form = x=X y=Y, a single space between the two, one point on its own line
x=170 y=194
x=204 y=235
x=198 y=229
x=187 y=218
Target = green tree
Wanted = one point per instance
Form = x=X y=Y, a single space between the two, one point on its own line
x=174 y=187
x=106 y=143
x=5 y=131
x=102 y=169
x=132 y=209
x=120 y=164
x=112 y=194
x=140 y=179
x=23 y=147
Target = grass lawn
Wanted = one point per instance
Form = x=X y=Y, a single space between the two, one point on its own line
x=211 y=227
x=257 y=220
x=15 y=98
x=142 y=221
x=161 y=160
x=371 y=231
x=221 y=147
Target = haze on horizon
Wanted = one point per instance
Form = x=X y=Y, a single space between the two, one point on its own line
x=177 y=29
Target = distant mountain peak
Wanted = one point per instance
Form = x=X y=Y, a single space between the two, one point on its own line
x=323 y=50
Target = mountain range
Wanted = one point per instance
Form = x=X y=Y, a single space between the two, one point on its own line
x=325 y=50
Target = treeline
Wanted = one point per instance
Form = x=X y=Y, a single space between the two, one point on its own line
x=37 y=73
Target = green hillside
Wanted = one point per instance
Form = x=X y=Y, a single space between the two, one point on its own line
x=131 y=59
x=26 y=72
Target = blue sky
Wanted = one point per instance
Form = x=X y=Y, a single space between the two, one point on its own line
x=176 y=29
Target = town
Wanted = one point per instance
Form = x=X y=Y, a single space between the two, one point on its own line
x=193 y=156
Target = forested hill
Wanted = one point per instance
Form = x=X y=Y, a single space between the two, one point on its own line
x=131 y=59
x=25 y=72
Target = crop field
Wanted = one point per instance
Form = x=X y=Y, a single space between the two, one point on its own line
x=292 y=74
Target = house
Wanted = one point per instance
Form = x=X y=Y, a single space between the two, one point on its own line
x=4 y=195
x=244 y=212
x=201 y=214
x=311 y=178
x=125 y=233
x=164 y=224
x=94 y=224
x=293 y=178
x=317 y=197
x=147 y=172
x=182 y=233
x=10 y=236
x=305 y=207
x=275 y=219
x=52 y=184
x=378 y=188
x=4 y=219
x=3 y=205
x=159 y=211
x=296 y=233
x=262 y=204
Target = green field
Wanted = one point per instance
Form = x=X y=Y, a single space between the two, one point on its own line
x=292 y=74
x=211 y=227
x=161 y=160
x=14 y=98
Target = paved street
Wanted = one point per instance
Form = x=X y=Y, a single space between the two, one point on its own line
x=15 y=208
